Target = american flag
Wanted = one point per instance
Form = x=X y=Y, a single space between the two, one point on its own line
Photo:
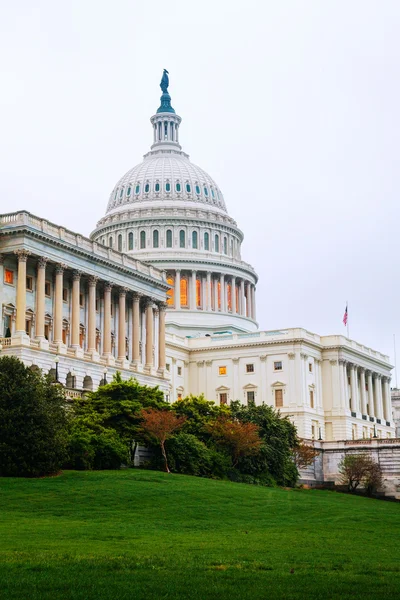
x=345 y=316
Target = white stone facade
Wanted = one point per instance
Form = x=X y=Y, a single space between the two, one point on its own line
x=160 y=292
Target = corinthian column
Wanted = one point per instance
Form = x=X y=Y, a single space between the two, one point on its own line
x=92 y=315
x=136 y=329
x=253 y=300
x=192 y=294
x=21 y=293
x=58 y=304
x=248 y=296
x=233 y=295
x=177 y=289
x=121 y=324
x=76 y=278
x=208 y=291
x=363 y=394
x=107 y=320
x=371 y=410
x=222 y=291
x=149 y=333
x=40 y=297
x=161 y=335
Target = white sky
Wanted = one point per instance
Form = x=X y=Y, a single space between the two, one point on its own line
x=291 y=106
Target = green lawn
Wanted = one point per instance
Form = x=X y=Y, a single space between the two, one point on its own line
x=140 y=535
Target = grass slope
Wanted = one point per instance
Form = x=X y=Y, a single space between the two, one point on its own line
x=145 y=535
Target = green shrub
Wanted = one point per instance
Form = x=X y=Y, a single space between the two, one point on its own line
x=110 y=451
x=80 y=451
x=189 y=455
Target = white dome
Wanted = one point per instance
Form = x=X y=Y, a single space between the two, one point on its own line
x=166 y=175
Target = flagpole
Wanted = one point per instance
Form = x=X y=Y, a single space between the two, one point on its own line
x=395 y=360
x=348 y=327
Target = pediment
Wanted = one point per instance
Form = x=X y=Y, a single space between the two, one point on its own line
x=180 y=389
x=250 y=386
x=222 y=388
x=278 y=384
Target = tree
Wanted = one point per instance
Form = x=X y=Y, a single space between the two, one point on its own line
x=33 y=421
x=199 y=413
x=240 y=439
x=114 y=408
x=159 y=426
x=360 y=469
x=304 y=455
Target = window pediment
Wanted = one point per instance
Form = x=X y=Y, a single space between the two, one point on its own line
x=222 y=388
x=278 y=384
x=250 y=386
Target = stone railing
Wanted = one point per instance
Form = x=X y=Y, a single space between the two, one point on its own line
x=5 y=341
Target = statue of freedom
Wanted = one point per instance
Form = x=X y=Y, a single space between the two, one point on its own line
x=164 y=82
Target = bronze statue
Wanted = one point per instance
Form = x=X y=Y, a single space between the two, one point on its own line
x=164 y=82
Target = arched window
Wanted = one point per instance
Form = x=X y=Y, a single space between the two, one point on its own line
x=128 y=191
x=120 y=243
x=110 y=241
x=169 y=238
x=155 y=238
x=212 y=192
x=116 y=194
x=225 y=245
x=157 y=187
x=206 y=241
x=137 y=188
x=142 y=239
x=205 y=191
x=178 y=187
x=147 y=188
x=194 y=239
x=182 y=239
x=184 y=291
x=170 y=292
x=121 y=192
x=198 y=293
x=188 y=188
x=130 y=241
x=197 y=190
x=216 y=242
x=167 y=187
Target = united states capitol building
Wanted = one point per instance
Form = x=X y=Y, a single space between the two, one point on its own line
x=160 y=292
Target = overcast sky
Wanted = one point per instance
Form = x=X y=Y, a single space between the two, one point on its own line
x=291 y=106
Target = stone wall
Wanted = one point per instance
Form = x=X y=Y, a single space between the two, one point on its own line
x=325 y=469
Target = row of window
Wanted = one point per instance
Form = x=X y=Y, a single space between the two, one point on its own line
x=251 y=398
x=119 y=192
x=223 y=370
x=218 y=243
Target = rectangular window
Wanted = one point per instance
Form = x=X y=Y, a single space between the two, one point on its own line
x=65 y=295
x=81 y=304
x=9 y=276
x=97 y=304
x=354 y=431
x=222 y=370
x=223 y=398
x=47 y=289
x=313 y=432
x=312 y=398
x=278 y=365
x=47 y=332
x=251 y=398
x=250 y=368
x=29 y=283
x=310 y=367
x=179 y=370
x=278 y=398
x=168 y=367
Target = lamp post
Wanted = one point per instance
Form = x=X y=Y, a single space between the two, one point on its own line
x=73 y=378
x=105 y=375
x=320 y=436
x=57 y=360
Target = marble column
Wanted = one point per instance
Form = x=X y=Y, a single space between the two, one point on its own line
x=136 y=329
x=387 y=401
x=222 y=291
x=92 y=315
x=58 y=303
x=149 y=333
x=161 y=335
x=21 y=292
x=107 y=320
x=353 y=376
x=371 y=410
x=76 y=278
x=363 y=392
x=40 y=297
x=208 y=289
x=242 y=299
x=378 y=405
x=233 y=295
x=177 y=289
x=215 y=295
x=122 y=325
x=192 y=293
x=253 y=300
x=248 y=301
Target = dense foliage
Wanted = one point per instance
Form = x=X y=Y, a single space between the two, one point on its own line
x=360 y=470
x=33 y=421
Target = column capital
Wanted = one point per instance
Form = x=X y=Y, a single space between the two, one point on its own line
x=42 y=262
x=162 y=306
x=92 y=281
x=368 y=372
x=108 y=286
x=76 y=275
x=22 y=254
x=148 y=302
x=303 y=356
x=178 y=270
x=377 y=375
x=136 y=297
x=60 y=268
x=123 y=291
